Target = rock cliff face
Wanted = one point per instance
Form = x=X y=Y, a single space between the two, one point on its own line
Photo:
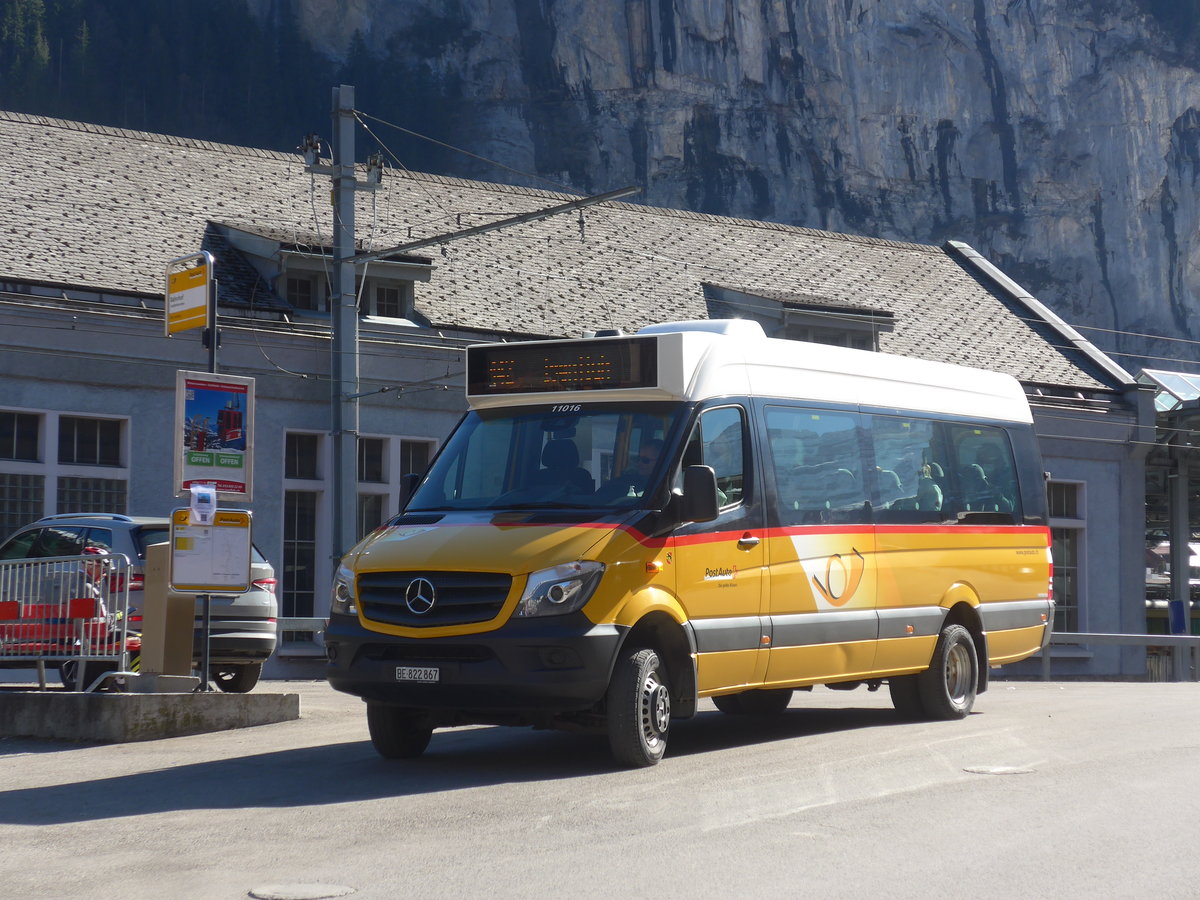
x=1061 y=138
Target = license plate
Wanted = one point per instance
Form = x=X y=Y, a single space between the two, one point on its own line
x=427 y=674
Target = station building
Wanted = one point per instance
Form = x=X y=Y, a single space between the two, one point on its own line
x=93 y=215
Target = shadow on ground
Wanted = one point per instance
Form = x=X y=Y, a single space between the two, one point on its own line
x=456 y=760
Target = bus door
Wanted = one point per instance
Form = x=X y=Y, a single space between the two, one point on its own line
x=917 y=490
x=822 y=591
x=719 y=565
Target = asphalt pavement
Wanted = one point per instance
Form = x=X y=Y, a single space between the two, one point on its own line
x=1048 y=789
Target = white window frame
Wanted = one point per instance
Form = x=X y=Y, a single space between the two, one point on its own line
x=51 y=469
x=392 y=468
x=323 y=567
x=1078 y=525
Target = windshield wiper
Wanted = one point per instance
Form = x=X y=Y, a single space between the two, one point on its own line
x=543 y=505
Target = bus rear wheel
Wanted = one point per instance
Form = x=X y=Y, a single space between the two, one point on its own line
x=769 y=702
x=397 y=733
x=947 y=688
x=639 y=709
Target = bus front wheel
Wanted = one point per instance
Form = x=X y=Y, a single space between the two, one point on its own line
x=947 y=687
x=639 y=709
x=397 y=733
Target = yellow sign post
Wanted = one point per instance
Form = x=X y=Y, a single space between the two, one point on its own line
x=187 y=299
x=210 y=559
x=206 y=560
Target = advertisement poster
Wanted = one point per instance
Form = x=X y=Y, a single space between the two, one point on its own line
x=214 y=422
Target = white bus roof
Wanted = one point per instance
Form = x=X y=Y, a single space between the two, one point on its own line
x=733 y=357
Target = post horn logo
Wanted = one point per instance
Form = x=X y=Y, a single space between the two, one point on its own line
x=842 y=578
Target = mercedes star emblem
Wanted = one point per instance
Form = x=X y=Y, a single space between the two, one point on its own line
x=420 y=596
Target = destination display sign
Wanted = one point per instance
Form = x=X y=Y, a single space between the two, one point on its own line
x=561 y=366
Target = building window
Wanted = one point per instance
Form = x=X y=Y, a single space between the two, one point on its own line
x=1063 y=500
x=301 y=456
x=370 y=460
x=856 y=339
x=84 y=495
x=299 y=558
x=1066 y=535
x=387 y=302
x=19 y=436
x=89 y=442
x=391 y=301
x=22 y=499
x=306 y=292
x=371 y=513
x=414 y=456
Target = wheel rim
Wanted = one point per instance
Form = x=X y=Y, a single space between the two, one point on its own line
x=655 y=711
x=958 y=674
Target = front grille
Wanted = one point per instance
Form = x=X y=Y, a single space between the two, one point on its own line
x=417 y=652
x=460 y=598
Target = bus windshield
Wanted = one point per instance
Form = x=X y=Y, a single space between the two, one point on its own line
x=566 y=456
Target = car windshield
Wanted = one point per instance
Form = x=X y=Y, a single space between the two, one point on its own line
x=151 y=534
x=572 y=456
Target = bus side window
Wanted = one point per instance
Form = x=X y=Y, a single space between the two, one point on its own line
x=984 y=471
x=907 y=476
x=721 y=441
x=823 y=482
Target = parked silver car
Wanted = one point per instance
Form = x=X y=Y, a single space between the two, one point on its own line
x=242 y=629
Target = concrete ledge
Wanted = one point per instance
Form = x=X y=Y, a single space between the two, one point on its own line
x=148 y=683
x=118 y=718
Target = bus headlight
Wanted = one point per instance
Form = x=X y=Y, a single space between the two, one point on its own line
x=560 y=589
x=342 y=598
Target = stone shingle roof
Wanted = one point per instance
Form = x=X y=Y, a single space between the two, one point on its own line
x=106 y=208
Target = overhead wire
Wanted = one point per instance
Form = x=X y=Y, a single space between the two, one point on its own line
x=387 y=345
x=491 y=162
x=1046 y=412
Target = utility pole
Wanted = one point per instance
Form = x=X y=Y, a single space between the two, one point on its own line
x=344 y=315
x=344 y=312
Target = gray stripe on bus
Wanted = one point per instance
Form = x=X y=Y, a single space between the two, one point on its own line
x=1014 y=614
x=846 y=626
x=832 y=627
x=721 y=635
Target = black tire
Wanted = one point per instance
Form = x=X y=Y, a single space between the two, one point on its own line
x=397 y=733
x=947 y=688
x=68 y=671
x=767 y=702
x=237 y=679
x=730 y=704
x=906 y=696
x=639 y=709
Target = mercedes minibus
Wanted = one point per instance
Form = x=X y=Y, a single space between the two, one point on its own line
x=623 y=525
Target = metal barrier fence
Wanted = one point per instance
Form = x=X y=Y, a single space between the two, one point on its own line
x=69 y=610
x=1185 y=649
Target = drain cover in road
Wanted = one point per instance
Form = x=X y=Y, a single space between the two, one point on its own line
x=998 y=770
x=300 y=891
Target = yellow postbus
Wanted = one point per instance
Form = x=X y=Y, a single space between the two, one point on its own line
x=625 y=524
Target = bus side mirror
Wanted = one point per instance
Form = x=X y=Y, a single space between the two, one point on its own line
x=408 y=487
x=700 y=502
